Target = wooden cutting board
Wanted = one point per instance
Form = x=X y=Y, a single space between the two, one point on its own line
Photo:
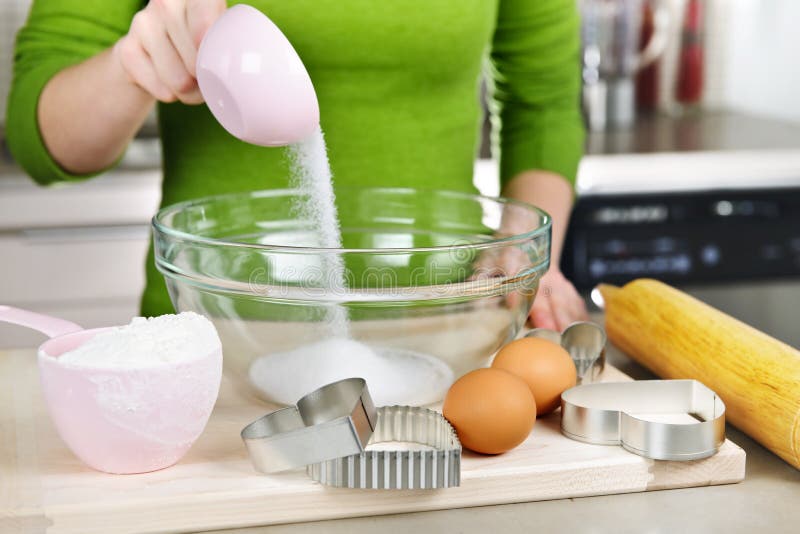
x=44 y=488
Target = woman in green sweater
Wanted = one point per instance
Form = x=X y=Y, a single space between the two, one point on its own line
x=397 y=83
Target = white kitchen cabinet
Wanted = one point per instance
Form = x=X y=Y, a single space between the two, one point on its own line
x=75 y=250
x=118 y=198
x=73 y=264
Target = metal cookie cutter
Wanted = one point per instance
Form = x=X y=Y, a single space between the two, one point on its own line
x=586 y=344
x=400 y=469
x=333 y=421
x=627 y=413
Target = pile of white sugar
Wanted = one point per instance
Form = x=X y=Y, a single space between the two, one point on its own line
x=393 y=375
x=147 y=342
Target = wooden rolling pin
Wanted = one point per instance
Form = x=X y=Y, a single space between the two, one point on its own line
x=677 y=336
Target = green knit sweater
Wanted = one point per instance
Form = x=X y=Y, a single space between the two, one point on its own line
x=398 y=88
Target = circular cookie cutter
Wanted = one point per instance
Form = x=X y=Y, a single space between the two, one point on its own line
x=439 y=467
x=586 y=344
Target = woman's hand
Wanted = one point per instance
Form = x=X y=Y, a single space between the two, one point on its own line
x=557 y=304
x=160 y=50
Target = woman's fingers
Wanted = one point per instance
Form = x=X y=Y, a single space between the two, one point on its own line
x=151 y=31
x=200 y=15
x=160 y=51
x=137 y=64
x=173 y=13
x=557 y=304
x=569 y=301
x=541 y=315
x=578 y=305
x=565 y=309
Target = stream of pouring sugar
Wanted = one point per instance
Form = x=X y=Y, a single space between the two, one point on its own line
x=311 y=174
x=394 y=375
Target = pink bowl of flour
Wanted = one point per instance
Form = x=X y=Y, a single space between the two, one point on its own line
x=128 y=399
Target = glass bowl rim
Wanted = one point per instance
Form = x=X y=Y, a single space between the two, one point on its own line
x=161 y=227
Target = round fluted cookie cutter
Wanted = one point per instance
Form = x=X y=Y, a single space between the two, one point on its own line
x=622 y=413
x=333 y=421
x=439 y=467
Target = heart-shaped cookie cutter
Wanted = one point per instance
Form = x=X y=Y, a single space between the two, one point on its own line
x=622 y=413
x=333 y=421
x=586 y=344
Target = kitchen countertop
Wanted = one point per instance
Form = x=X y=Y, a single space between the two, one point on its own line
x=706 y=131
x=709 y=130
x=765 y=501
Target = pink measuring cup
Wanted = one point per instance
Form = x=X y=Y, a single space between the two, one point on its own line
x=254 y=82
x=121 y=421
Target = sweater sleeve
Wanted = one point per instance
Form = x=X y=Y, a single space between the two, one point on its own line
x=57 y=34
x=535 y=72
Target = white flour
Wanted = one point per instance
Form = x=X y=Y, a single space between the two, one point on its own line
x=311 y=174
x=147 y=342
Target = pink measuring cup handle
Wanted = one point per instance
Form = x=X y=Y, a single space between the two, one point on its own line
x=49 y=326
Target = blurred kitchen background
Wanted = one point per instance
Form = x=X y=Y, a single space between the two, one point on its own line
x=692 y=173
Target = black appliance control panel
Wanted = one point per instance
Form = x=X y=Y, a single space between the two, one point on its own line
x=684 y=238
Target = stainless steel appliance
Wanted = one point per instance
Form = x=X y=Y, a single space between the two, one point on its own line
x=723 y=225
x=703 y=237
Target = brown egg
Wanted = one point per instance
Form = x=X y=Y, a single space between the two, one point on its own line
x=546 y=367
x=492 y=410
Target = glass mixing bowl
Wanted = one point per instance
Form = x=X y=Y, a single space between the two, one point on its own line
x=426 y=287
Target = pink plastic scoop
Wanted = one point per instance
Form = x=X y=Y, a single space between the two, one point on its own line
x=121 y=420
x=254 y=82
